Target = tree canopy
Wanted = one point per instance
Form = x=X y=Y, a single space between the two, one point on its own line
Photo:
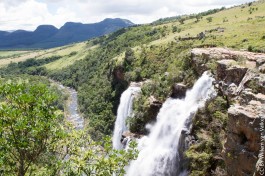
x=28 y=125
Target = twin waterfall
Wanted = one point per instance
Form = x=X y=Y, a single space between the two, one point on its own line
x=124 y=111
x=160 y=152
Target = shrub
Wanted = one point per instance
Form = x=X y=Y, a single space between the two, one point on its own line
x=250 y=48
x=73 y=53
x=209 y=19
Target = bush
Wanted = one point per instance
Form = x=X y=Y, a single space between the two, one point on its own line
x=250 y=48
x=72 y=53
x=209 y=19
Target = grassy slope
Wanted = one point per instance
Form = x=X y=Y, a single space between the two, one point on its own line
x=153 y=57
x=66 y=60
x=240 y=25
x=20 y=56
x=6 y=54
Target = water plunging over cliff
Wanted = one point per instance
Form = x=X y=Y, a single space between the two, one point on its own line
x=159 y=151
x=124 y=111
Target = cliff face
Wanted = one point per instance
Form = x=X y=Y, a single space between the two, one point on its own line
x=240 y=78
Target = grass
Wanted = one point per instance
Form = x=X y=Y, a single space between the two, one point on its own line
x=240 y=25
x=80 y=48
x=6 y=54
x=4 y=62
x=67 y=59
x=242 y=29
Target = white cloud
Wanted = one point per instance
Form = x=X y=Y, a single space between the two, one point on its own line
x=28 y=14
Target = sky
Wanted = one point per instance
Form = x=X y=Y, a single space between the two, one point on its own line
x=28 y=14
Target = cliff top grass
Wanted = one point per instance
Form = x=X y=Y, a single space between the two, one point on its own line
x=237 y=27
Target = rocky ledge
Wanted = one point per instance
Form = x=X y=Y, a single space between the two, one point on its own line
x=240 y=77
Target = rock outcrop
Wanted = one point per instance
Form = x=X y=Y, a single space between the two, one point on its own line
x=240 y=77
x=229 y=72
x=128 y=136
x=202 y=58
x=178 y=90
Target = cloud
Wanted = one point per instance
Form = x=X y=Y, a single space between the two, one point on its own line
x=28 y=14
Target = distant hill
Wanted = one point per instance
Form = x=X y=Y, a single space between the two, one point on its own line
x=48 y=36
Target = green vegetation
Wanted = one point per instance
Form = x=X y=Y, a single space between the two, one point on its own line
x=145 y=52
x=209 y=19
x=35 y=139
x=29 y=125
x=30 y=66
x=209 y=130
x=64 y=52
x=98 y=158
x=158 y=53
x=12 y=54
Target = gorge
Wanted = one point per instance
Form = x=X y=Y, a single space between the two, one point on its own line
x=159 y=150
x=150 y=79
x=162 y=151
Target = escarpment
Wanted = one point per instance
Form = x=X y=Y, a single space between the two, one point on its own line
x=225 y=138
x=240 y=79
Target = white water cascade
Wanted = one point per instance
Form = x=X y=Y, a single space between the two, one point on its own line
x=160 y=151
x=124 y=111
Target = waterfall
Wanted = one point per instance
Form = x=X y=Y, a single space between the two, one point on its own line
x=159 y=151
x=124 y=111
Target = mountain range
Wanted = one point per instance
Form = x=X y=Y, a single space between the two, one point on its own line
x=48 y=36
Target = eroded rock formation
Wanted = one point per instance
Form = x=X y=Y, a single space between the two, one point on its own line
x=178 y=90
x=240 y=77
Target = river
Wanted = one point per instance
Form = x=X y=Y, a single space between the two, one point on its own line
x=71 y=111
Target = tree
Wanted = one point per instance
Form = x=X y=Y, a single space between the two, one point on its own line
x=181 y=20
x=28 y=125
x=129 y=58
x=209 y=19
x=32 y=142
x=84 y=156
x=174 y=29
x=198 y=17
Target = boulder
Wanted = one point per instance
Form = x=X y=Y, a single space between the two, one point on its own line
x=128 y=136
x=201 y=56
x=154 y=108
x=242 y=146
x=136 y=84
x=229 y=72
x=222 y=66
x=257 y=83
x=262 y=68
x=231 y=90
x=260 y=61
x=201 y=35
x=178 y=90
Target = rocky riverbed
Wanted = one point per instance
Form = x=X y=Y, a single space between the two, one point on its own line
x=72 y=113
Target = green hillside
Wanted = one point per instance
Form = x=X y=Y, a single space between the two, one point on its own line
x=238 y=27
x=145 y=52
x=102 y=68
x=148 y=51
